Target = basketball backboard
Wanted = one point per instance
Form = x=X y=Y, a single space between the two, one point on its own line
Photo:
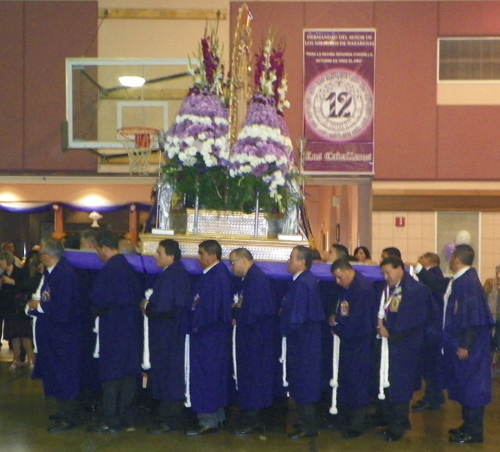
x=97 y=104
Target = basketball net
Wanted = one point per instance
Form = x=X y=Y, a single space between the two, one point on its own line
x=138 y=141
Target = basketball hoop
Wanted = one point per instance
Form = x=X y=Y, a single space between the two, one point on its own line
x=138 y=141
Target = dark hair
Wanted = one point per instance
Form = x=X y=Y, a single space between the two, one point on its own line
x=107 y=239
x=72 y=242
x=211 y=247
x=342 y=251
x=304 y=254
x=90 y=236
x=243 y=252
x=365 y=250
x=171 y=248
x=393 y=261
x=316 y=255
x=392 y=251
x=341 y=264
x=433 y=258
x=464 y=253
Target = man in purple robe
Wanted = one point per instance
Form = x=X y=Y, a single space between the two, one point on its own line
x=403 y=317
x=166 y=309
x=209 y=340
x=467 y=350
x=116 y=298
x=429 y=273
x=300 y=325
x=254 y=317
x=353 y=322
x=56 y=307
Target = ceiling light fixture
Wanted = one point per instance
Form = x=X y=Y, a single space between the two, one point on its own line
x=132 y=81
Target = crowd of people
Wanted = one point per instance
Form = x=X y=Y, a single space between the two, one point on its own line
x=350 y=354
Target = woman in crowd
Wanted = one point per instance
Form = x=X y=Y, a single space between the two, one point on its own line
x=362 y=255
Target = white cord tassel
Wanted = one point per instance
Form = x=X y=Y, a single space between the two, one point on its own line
x=384 y=369
x=283 y=360
x=187 y=372
x=96 y=331
x=26 y=309
x=334 y=382
x=146 y=362
x=235 y=367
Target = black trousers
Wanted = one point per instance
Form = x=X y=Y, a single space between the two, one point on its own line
x=396 y=415
x=352 y=418
x=118 y=401
x=172 y=413
x=473 y=421
x=68 y=410
x=433 y=387
x=307 y=417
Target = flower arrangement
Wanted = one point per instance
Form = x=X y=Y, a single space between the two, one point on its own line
x=263 y=151
x=199 y=160
x=197 y=146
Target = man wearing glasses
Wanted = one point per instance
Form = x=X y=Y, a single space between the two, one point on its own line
x=254 y=319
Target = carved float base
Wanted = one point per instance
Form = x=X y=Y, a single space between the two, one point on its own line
x=262 y=249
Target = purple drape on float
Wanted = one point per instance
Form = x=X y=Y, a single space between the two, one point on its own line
x=275 y=270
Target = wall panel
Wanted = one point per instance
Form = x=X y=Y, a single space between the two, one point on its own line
x=11 y=85
x=468 y=142
x=53 y=31
x=469 y=18
x=405 y=90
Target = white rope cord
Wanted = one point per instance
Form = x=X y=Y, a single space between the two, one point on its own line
x=96 y=331
x=146 y=362
x=146 y=359
x=385 y=300
x=33 y=326
x=334 y=382
x=235 y=367
x=384 y=369
x=283 y=360
x=187 y=372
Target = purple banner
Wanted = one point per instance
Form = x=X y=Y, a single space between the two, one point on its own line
x=339 y=70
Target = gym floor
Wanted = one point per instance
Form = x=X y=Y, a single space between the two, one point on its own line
x=24 y=420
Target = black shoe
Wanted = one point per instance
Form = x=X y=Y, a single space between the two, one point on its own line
x=61 y=426
x=349 y=434
x=103 y=428
x=250 y=430
x=466 y=439
x=456 y=431
x=55 y=417
x=390 y=436
x=162 y=429
x=299 y=434
x=424 y=407
x=376 y=420
x=202 y=431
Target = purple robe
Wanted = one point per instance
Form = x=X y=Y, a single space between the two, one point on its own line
x=166 y=311
x=468 y=322
x=116 y=297
x=210 y=340
x=355 y=323
x=406 y=327
x=255 y=318
x=300 y=322
x=58 y=333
